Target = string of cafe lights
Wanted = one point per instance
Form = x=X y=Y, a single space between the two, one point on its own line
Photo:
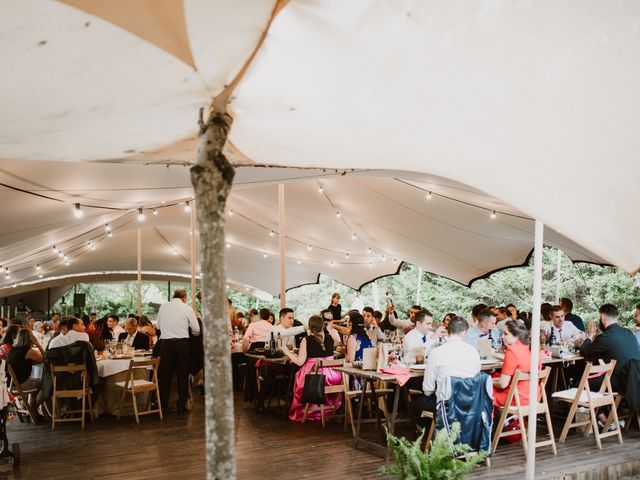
x=430 y=194
x=88 y=241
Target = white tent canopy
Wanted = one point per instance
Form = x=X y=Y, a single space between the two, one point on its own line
x=448 y=97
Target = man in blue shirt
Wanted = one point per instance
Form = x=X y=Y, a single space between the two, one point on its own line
x=567 y=306
x=486 y=329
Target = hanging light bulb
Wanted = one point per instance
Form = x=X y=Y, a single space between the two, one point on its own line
x=331 y=263
x=338 y=215
x=67 y=262
x=265 y=254
x=231 y=212
x=395 y=259
x=77 y=211
x=55 y=250
x=309 y=247
x=384 y=257
x=493 y=215
x=107 y=227
x=66 y=258
x=346 y=255
x=429 y=195
x=299 y=261
x=370 y=264
x=272 y=233
x=154 y=211
x=40 y=275
x=60 y=253
x=369 y=249
x=109 y=234
x=6 y=270
x=141 y=215
x=228 y=245
x=187 y=206
x=92 y=246
x=174 y=251
x=354 y=236
x=7 y=276
x=321 y=189
x=38 y=268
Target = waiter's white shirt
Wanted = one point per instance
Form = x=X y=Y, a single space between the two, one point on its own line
x=175 y=318
x=456 y=358
x=117 y=331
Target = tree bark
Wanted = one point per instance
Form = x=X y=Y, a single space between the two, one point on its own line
x=212 y=176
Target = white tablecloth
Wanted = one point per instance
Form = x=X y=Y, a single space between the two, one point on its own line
x=112 y=366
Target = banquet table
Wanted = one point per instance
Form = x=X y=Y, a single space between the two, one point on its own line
x=113 y=370
x=370 y=377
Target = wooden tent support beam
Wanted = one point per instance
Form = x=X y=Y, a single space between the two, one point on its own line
x=212 y=176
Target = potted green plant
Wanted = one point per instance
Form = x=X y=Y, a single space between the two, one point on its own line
x=446 y=460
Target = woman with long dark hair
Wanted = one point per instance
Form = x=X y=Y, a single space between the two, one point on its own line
x=358 y=339
x=516 y=358
x=317 y=345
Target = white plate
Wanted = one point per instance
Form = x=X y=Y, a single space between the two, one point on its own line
x=418 y=367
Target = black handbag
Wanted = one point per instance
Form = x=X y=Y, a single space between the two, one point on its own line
x=313 y=391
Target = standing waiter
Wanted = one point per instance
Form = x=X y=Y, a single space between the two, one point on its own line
x=174 y=319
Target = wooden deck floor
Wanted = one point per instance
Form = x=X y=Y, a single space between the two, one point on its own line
x=268 y=447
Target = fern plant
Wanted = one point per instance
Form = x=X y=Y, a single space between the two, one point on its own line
x=411 y=463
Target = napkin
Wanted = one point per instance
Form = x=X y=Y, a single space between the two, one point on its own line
x=400 y=373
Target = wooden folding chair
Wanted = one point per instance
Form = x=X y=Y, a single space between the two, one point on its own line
x=24 y=408
x=522 y=411
x=134 y=386
x=328 y=390
x=350 y=394
x=427 y=440
x=584 y=397
x=83 y=392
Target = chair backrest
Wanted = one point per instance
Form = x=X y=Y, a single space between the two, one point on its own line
x=142 y=364
x=514 y=393
x=598 y=370
x=69 y=369
x=330 y=363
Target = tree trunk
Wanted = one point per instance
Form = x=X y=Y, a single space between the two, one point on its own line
x=212 y=176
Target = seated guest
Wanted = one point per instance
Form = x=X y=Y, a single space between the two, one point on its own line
x=132 y=337
x=239 y=322
x=145 y=326
x=9 y=337
x=256 y=334
x=404 y=325
x=513 y=311
x=286 y=328
x=113 y=322
x=25 y=352
x=516 y=358
x=99 y=330
x=317 y=345
x=370 y=325
x=446 y=319
x=473 y=321
x=75 y=333
x=502 y=316
x=614 y=342
x=545 y=316
x=358 y=339
x=456 y=358
x=567 y=306
x=485 y=328
x=560 y=329
x=422 y=337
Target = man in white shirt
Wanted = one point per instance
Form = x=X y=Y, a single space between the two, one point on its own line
x=113 y=322
x=484 y=330
x=74 y=333
x=422 y=338
x=175 y=318
x=286 y=329
x=371 y=327
x=404 y=325
x=562 y=331
x=456 y=358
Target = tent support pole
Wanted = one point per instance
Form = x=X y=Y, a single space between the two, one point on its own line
x=535 y=347
x=282 y=247
x=139 y=272
x=419 y=287
x=193 y=257
x=558 y=269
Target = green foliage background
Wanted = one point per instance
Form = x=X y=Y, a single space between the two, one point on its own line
x=587 y=285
